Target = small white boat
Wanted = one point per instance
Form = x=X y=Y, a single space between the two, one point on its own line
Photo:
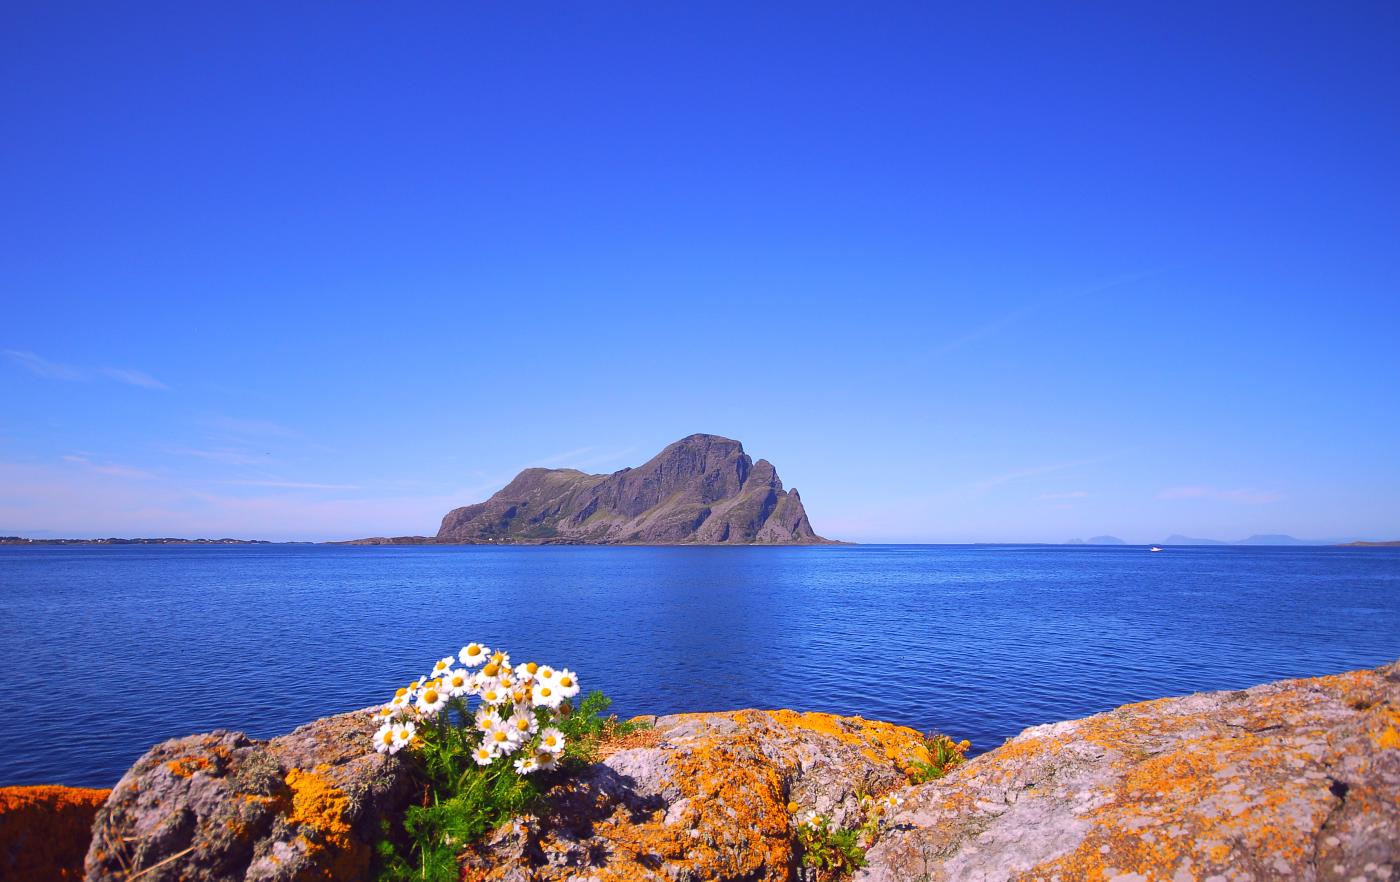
x=1154 y=548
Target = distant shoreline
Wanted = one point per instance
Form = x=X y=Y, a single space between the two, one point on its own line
x=20 y=540
x=381 y=541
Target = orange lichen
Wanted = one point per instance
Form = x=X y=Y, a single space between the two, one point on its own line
x=186 y=766
x=611 y=744
x=898 y=744
x=1221 y=794
x=319 y=808
x=728 y=815
x=45 y=830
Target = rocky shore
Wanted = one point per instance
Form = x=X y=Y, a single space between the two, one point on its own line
x=1294 y=780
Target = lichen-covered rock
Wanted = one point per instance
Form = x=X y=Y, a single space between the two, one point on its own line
x=44 y=830
x=223 y=806
x=701 y=796
x=1295 y=780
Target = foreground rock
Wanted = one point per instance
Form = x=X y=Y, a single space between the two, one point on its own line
x=703 y=489
x=44 y=831
x=223 y=806
x=1296 y=780
x=701 y=796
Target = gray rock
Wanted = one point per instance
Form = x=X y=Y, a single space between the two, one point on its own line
x=702 y=489
x=222 y=806
x=1297 y=780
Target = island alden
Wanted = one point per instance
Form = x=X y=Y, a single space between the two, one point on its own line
x=700 y=490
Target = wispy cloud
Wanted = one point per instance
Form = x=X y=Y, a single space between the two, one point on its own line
x=134 y=378
x=42 y=367
x=112 y=469
x=292 y=485
x=226 y=456
x=996 y=325
x=1241 y=496
x=57 y=370
x=1035 y=472
x=1069 y=494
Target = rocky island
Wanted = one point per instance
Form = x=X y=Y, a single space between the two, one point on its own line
x=701 y=490
x=1294 y=780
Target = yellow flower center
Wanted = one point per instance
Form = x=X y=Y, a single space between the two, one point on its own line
x=401 y=693
x=439 y=666
x=565 y=682
x=545 y=691
x=522 y=724
x=473 y=650
x=498 y=736
x=458 y=682
x=532 y=667
x=499 y=658
x=430 y=697
x=388 y=737
x=491 y=670
x=549 y=741
x=546 y=673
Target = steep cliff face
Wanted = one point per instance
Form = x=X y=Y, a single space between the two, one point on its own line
x=702 y=489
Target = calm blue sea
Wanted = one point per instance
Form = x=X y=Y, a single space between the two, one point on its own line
x=107 y=650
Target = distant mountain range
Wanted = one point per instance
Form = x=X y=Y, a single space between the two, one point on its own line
x=701 y=490
x=1256 y=539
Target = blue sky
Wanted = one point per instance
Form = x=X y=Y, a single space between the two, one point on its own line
x=1018 y=272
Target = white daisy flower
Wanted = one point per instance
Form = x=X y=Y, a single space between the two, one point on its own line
x=501 y=737
x=543 y=672
x=890 y=801
x=486 y=717
x=383 y=712
x=431 y=700
x=526 y=673
x=473 y=654
x=567 y=681
x=812 y=820
x=500 y=659
x=402 y=699
x=484 y=755
x=457 y=682
x=403 y=736
x=384 y=739
x=443 y=665
x=523 y=723
x=526 y=764
x=494 y=694
x=545 y=694
x=546 y=762
x=552 y=741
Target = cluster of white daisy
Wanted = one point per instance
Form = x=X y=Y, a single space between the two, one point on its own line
x=516 y=704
